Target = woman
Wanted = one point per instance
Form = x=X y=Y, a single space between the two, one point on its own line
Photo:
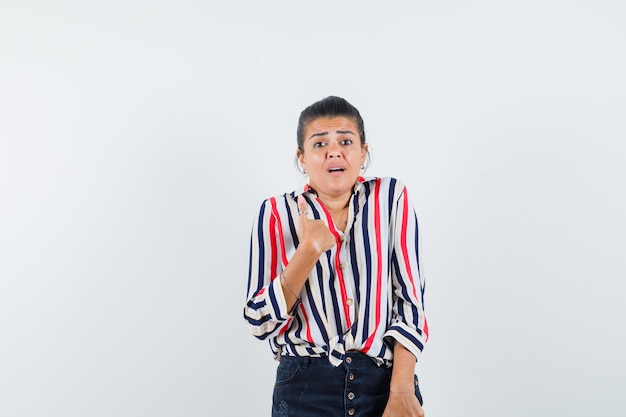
x=334 y=282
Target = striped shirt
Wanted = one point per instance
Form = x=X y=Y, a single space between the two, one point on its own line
x=364 y=294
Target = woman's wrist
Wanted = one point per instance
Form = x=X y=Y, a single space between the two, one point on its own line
x=310 y=249
x=403 y=371
x=397 y=392
x=402 y=388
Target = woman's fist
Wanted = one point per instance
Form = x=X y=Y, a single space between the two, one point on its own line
x=313 y=232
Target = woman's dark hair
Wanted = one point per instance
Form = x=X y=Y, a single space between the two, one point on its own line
x=331 y=106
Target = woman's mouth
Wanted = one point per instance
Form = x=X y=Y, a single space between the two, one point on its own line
x=336 y=170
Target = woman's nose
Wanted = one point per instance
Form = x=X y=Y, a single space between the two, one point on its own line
x=334 y=150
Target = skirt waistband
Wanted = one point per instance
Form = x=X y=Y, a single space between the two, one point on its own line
x=352 y=359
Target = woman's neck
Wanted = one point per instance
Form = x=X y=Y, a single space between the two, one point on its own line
x=338 y=209
x=336 y=204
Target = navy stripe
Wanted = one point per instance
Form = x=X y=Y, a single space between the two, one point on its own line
x=367 y=297
x=336 y=297
x=416 y=243
x=261 y=250
x=256 y=305
x=316 y=314
x=320 y=281
x=250 y=265
x=266 y=334
x=392 y=189
x=291 y=223
x=297 y=331
x=409 y=336
x=260 y=321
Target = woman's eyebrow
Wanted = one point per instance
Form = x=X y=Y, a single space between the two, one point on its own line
x=318 y=134
x=339 y=132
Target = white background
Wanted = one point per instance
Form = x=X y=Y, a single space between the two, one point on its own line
x=138 y=138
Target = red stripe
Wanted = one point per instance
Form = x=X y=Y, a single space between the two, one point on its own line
x=405 y=251
x=342 y=284
x=273 y=249
x=279 y=226
x=379 y=265
x=403 y=241
x=285 y=327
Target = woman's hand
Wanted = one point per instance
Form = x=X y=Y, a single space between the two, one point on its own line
x=315 y=239
x=402 y=399
x=403 y=404
x=314 y=233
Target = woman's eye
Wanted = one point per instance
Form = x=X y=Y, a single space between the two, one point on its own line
x=319 y=144
x=346 y=142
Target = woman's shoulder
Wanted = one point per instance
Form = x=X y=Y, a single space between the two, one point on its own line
x=386 y=182
x=279 y=199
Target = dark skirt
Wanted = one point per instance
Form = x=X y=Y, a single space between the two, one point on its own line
x=313 y=387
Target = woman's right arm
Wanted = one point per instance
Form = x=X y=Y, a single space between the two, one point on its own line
x=271 y=299
x=264 y=311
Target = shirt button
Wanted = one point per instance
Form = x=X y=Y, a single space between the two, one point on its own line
x=342 y=266
x=349 y=359
x=349 y=301
x=342 y=239
x=351 y=411
x=351 y=396
x=351 y=377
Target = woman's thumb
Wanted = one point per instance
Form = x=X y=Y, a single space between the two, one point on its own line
x=302 y=208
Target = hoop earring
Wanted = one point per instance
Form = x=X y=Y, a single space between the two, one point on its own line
x=366 y=164
x=301 y=170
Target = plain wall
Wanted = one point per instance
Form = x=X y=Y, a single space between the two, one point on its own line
x=138 y=139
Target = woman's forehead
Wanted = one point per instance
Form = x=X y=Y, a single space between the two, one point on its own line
x=331 y=125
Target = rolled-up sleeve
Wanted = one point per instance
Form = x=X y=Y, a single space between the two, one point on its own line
x=408 y=323
x=266 y=309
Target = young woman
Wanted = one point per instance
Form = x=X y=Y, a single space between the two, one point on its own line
x=334 y=282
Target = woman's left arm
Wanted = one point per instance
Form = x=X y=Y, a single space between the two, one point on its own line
x=402 y=400
x=408 y=327
x=408 y=324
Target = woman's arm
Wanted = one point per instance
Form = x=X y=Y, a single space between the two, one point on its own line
x=315 y=239
x=408 y=328
x=272 y=293
x=402 y=400
x=408 y=323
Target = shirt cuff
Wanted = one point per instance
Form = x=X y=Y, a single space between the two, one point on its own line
x=276 y=301
x=407 y=336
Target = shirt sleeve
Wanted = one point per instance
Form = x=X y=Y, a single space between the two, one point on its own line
x=408 y=324
x=266 y=308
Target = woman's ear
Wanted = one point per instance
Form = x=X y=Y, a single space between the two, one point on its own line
x=300 y=157
x=300 y=161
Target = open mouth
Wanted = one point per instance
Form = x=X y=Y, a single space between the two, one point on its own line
x=336 y=170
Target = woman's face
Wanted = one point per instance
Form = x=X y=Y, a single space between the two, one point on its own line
x=332 y=155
